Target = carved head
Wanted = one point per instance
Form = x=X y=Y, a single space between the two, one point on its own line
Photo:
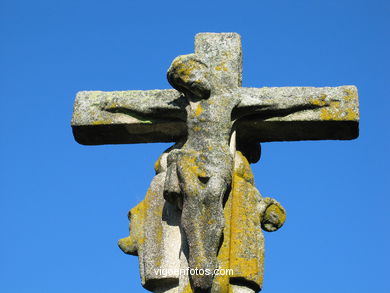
x=189 y=75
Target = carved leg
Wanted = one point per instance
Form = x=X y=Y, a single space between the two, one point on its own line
x=202 y=219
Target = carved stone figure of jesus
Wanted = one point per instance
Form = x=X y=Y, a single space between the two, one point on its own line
x=200 y=173
x=200 y=167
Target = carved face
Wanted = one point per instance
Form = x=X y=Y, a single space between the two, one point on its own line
x=189 y=75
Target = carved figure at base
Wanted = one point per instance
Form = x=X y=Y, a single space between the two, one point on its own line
x=162 y=247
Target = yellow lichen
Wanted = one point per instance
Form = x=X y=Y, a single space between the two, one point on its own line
x=320 y=101
x=192 y=166
x=158 y=257
x=134 y=242
x=274 y=209
x=246 y=242
x=221 y=282
x=187 y=289
x=221 y=67
x=198 y=110
x=185 y=69
x=341 y=110
x=350 y=94
x=334 y=112
x=241 y=249
x=157 y=165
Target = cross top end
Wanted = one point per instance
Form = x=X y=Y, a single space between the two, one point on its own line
x=222 y=52
x=216 y=66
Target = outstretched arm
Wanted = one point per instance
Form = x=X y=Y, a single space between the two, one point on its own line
x=128 y=116
x=276 y=102
x=297 y=113
x=141 y=105
x=279 y=102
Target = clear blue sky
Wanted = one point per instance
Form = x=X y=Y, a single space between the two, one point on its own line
x=63 y=206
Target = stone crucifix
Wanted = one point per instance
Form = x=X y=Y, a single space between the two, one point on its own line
x=202 y=210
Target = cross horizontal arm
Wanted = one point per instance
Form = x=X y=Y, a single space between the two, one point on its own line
x=264 y=114
x=298 y=113
x=128 y=117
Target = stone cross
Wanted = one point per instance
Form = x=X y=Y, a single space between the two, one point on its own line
x=202 y=211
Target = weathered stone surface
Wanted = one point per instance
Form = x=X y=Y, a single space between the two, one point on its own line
x=156 y=239
x=298 y=113
x=107 y=117
x=155 y=235
x=204 y=163
x=128 y=117
x=202 y=209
